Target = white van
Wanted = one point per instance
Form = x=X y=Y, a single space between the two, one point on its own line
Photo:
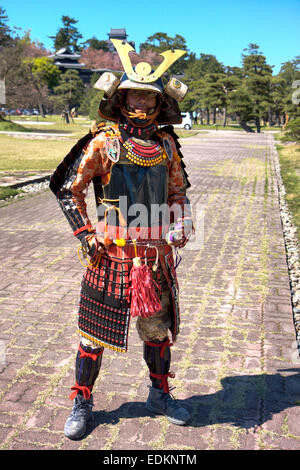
x=186 y=121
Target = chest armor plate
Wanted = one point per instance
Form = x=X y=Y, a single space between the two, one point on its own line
x=136 y=195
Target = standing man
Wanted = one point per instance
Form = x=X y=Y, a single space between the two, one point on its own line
x=136 y=167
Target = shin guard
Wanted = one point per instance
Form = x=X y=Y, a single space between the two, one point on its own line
x=158 y=359
x=88 y=364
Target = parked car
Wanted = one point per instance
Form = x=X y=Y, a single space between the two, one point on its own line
x=186 y=121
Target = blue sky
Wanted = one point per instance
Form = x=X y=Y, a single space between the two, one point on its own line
x=221 y=28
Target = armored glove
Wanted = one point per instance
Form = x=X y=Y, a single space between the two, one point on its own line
x=91 y=243
x=180 y=232
x=95 y=245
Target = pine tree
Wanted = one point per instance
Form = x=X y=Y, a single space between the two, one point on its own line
x=97 y=44
x=160 y=42
x=277 y=107
x=70 y=90
x=290 y=94
x=206 y=93
x=5 y=31
x=257 y=76
x=68 y=36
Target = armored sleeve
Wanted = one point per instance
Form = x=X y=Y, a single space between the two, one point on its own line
x=177 y=185
x=72 y=178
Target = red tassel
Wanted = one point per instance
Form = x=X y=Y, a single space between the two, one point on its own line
x=144 y=299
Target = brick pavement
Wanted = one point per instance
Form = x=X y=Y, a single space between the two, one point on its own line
x=235 y=358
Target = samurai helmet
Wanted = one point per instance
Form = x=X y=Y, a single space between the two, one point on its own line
x=142 y=77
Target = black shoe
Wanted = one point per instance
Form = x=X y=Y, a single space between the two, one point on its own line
x=76 y=423
x=163 y=403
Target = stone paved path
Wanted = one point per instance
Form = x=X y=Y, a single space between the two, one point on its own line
x=234 y=361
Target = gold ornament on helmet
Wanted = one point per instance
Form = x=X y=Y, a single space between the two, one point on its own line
x=142 y=76
x=143 y=71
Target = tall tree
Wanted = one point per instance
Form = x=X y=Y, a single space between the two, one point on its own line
x=216 y=92
x=23 y=88
x=207 y=63
x=43 y=75
x=239 y=103
x=204 y=76
x=97 y=44
x=160 y=42
x=193 y=101
x=290 y=74
x=68 y=35
x=257 y=76
x=69 y=92
x=277 y=106
x=5 y=31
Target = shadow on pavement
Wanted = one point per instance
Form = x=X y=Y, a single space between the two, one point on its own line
x=246 y=401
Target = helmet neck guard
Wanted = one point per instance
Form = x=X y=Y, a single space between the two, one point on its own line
x=129 y=128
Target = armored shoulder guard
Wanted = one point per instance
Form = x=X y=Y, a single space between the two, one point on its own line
x=170 y=130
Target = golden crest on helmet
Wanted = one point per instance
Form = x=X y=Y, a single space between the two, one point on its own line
x=143 y=71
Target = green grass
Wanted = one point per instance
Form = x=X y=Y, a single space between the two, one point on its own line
x=7 y=192
x=27 y=154
x=182 y=133
x=31 y=155
x=289 y=156
x=7 y=125
x=233 y=127
x=54 y=125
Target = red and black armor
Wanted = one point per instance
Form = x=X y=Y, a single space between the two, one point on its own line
x=140 y=185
